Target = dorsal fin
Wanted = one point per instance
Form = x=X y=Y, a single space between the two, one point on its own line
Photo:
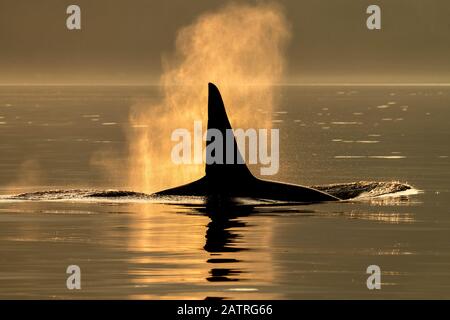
x=218 y=119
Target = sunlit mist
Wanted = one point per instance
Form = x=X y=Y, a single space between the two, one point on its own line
x=240 y=48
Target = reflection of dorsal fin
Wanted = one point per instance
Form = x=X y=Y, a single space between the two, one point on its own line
x=217 y=119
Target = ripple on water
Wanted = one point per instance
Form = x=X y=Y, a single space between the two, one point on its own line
x=370 y=157
x=347 y=122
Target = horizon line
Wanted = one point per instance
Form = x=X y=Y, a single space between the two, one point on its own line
x=303 y=84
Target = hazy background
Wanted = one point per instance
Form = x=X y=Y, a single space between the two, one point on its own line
x=123 y=41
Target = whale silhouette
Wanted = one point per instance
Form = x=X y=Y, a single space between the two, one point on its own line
x=226 y=181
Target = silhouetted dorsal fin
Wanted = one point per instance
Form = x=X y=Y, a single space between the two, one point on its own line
x=217 y=119
x=225 y=180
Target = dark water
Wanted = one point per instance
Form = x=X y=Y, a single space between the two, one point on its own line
x=138 y=247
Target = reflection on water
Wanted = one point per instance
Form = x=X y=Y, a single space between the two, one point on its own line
x=205 y=250
x=386 y=217
x=222 y=237
x=230 y=258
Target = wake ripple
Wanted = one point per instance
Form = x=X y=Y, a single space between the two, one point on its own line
x=365 y=189
x=345 y=191
x=80 y=194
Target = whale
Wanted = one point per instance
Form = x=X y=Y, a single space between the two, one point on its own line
x=225 y=181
